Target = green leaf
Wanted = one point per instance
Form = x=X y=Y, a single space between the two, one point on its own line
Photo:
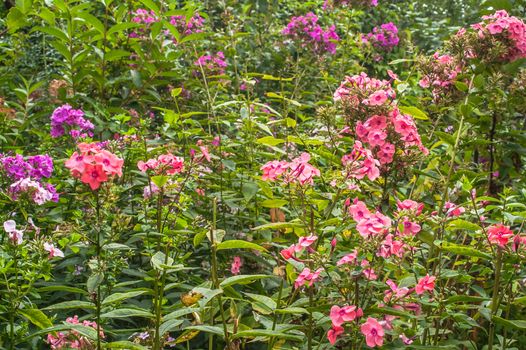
x=270 y=141
x=242 y=279
x=207 y=329
x=72 y=304
x=292 y=310
x=93 y=21
x=151 y=5
x=58 y=34
x=263 y=299
x=464 y=250
x=278 y=226
x=15 y=20
x=123 y=344
x=66 y=289
x=460 y=224
x=36 y=317
x=125 y=313
x=510 y=324
x=239 y=244
x=94 y=281
x=465 y=299
x=115 y=297
x=390 y=311
x=24 y=5
x=274 y=203
x=116 y=54
x=252 y=333
x=160 y=180
x=249 y=190
x=413 y=111
x=169 y=326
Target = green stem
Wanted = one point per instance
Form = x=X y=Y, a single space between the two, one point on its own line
x=98 y=301
x=494 y=299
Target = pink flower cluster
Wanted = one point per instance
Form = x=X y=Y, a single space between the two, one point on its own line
x=351 y=3
x=370 y=108
x=368 y=224
x=94 y=165
x=165 y=164
x=504 y=28
x=440 y=73
x=360 y=94
x=235 y=268
x=339 y=316
x=72 y=339
x=185 y=27
x=211 y=64
x=306 y=31
x=303 y=243
x=298 y=170
x=190 y=26
x=384 y=37
x=307 y=277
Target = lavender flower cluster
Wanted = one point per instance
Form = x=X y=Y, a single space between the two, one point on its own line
x=26 y=177
x=66 y=117
x=308 y=33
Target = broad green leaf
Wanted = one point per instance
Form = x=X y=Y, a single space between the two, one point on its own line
x=413 y=111
x=36 y=317
x=460 y=224
x=252 y=333
x=239 y=244
x=292 y=310
x=125 y=313
x=123 y=344
x=207 y=329
x=72 y=304
x=169 y=326
x=268 y=302
x=510 y=324
x=242 y=279
x=464 y=250
x=270 y=141
x=121 y=296
x=94 y=281
x=274 y=203
x=278 y=226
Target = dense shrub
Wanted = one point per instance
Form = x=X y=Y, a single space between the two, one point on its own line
x=262 y=174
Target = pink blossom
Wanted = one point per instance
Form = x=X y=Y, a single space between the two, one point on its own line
x=53 y=251
x=236 y=265
x=14 y=235
x=499 y=234
x=425 y=283
x=306 y=276
x=348 y=259
x=373 y=332
x=334 y=333
x=340 y=315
